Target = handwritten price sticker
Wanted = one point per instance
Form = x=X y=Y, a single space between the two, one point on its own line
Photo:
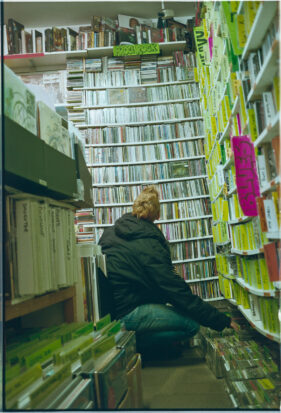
x=246 y=174
x=136 y=49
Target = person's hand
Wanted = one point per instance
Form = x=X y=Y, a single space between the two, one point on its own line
x=234 y=325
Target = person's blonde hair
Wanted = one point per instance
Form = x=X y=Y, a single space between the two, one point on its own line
x=147 y=205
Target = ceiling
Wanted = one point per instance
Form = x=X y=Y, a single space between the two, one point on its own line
x=42 y=14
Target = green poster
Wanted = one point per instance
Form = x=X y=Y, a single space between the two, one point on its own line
x=136 y=49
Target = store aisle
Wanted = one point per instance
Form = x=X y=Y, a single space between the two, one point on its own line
x=184 y=383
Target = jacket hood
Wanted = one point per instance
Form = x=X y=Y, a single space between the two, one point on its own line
x=130 y=227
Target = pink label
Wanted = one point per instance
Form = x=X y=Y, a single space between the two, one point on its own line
x=210 y=39
x=246 y=174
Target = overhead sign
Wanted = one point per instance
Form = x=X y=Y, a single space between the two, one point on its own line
x=136 y=49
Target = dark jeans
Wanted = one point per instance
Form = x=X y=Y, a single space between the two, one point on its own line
x=159 y=325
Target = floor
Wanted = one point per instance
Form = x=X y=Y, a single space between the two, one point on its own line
x=183 y=383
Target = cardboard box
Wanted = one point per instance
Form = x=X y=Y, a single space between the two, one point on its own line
x=33 y=166
x=24 y=165
x=60 y=173
x=85 y=185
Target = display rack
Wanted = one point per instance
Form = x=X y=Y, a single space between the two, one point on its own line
x=231 y=116
x=151 y=140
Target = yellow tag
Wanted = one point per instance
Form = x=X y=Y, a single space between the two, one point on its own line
x=242 y=38
x=236 y=84
x=244 y=238
x=237 y=293
x=227 y=288
x=227 y=106
x=242 y=105
x=224 y=116
x=232 y=79
x=236 y=207
x=245 y=299
x=266 y=384
x=235 y=126
x=195 y=74
x=264 y=274
x=253 y=124
x=234 y=6
x=205 y=28
x=214 y=125
x=220 y=123
x=225 y=211
x=214 y=231
x=276 y=89
x=252 y=12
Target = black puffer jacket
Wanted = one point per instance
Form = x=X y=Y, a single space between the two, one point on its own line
x=140 y=271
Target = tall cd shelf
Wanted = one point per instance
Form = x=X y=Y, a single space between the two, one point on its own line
x=240 y=97
x=160 y=142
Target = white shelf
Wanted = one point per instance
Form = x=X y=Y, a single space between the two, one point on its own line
x=121 y=105
x=232 y=191
x=264 y=16
x=267 y=72
x=165 y=47
x=32 y=61
x=100 y=225
x=228 y=163
x=214 y=299
x=211 y=257
x=150 y=182
x=236 y=107
x=273 y=235
x=226 y=131
x=256 y=291
x=176 y=241
x=239 y=220
x=232 y=301
x=229 y=277
x=270 y=186
x=221 y=244
x=246 y=252
x=217 y=196
x=169 y=47
x=158 y=84
x=163 y=221
x=143 y=143
x=151 y=122
x=99 y=165
x=164 y=201
x=269 y=132
x=41 y=61
x=225 y=86
x=212 y=150
x=234 y=111
x=258 y=325
x=200 y=279
x=240 y=7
